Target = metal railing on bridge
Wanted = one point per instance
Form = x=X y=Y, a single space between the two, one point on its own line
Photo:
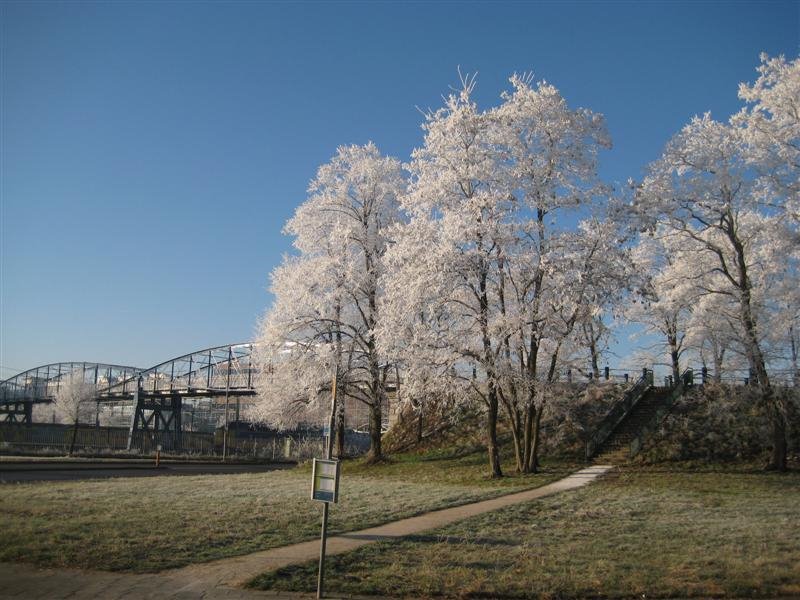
x=210 y=372
x=41 y=384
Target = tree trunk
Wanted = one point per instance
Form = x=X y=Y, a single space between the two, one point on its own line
x=758 y=367
x=491 y=434
x=589 y=333
x=511 y=406
x=340 y=434
x=420 y=422
x=530 y=417
x=534 y=467
x=779 y=449
x=756 y=357
x=674 y=353
x=519 y=448
x=492 y=402
x=375 y=454
x=718 y=358
x=795 y=370
x=74 y=437
x=375 y=406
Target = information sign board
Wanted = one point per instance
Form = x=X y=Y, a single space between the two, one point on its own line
x=325 y=480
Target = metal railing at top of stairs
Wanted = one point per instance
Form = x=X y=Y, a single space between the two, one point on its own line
x=686 y=381
x=618 y=412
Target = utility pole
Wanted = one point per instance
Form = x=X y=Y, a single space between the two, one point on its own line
x=328 y=455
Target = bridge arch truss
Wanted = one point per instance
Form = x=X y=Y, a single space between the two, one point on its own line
x=41 y=384
x=157 y=393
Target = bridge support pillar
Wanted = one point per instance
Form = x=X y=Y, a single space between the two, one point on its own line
x=176 y=412
x=159 y=418
x=137 y=412
x=17 y=412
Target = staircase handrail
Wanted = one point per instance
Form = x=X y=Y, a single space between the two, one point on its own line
x=618 y=412
x=686 y=380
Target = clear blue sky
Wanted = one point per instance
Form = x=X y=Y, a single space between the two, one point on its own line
x=151 y=152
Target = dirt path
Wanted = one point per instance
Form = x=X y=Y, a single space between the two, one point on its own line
x=223 y=578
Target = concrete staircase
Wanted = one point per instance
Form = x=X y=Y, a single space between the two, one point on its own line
x=617 y=447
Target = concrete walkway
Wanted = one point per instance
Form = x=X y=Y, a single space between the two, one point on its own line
x=223 y=578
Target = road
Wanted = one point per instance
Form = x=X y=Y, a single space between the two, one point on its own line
x=14 y=472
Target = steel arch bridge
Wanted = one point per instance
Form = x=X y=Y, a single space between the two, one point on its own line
x=41 y=384
x=157 y=392
x=213 y=371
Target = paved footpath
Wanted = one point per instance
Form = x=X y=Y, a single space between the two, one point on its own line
x=222 y=579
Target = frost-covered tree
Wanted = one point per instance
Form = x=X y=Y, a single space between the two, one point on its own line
x=595 y=336
x=664 y=302
x=555 y=277
x=712 y=334
x=701 y=191
x=74 y=402
x=446 y=260
x=297 y=343
x=486 y=282
x=770 y=126
x=327 y=299
x=581 y=271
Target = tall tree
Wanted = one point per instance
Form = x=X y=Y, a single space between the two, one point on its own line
x=327 y=306
x=700 y=190
x=550 y=280
x=446 y=261
x=665 y=300
x=499 y=282
x=770 y=127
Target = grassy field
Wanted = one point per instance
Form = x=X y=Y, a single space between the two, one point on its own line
x=154 y=523
x=637 y=532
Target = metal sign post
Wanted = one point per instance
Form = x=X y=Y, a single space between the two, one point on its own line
x=325 y=487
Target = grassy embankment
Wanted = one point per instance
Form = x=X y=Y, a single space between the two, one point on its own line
x=643 y=532
x=154 y=523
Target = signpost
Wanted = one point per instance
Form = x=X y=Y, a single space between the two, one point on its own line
x=325 y=477
x=325 y=487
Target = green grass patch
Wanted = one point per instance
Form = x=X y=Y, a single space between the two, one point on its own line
x=637 y=532
x=154 y=523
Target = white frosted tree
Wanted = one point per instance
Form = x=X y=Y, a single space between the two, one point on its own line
x=595 y=335
x=74 y=402
x=712 y=335
x=486 y=281
x=445 y=262
x=327 y=299
x=701 y=191
x=663 y=304
x=554 y=277
x=581 y=271
x=296 y=349
x=770 y=127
